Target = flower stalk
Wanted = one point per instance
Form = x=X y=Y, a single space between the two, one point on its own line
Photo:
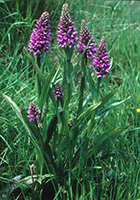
x=66 y=36
x=85 y=45
x=82 y=87
x=38 y=79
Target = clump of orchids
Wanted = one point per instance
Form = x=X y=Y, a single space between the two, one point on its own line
x=68 y=144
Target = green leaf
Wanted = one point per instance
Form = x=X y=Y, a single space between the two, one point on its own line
x=6 y=143
x=88 y=111
x=113 y=105
x=28 y=180
x=36 y=143
x=87 y=99
x=42 y=78
x=103 y=143
x=97 y=123
x=91 y=124
x=57 y=111
x=63 y=145
x=51 y=128
x=85 y=169
x=84 y=116
x=48 y=155
x=65 y=118
x=30 y=127
x=106 y=98
x=18 y=112
x=46 y=87
x=77 y=155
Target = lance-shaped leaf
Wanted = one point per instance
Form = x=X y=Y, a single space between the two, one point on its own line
x=63 y=145
x=29 y=128
x=103 y=143
x=84 y=116
x=102 y=111
x=88 y=111
x=18 y=113
x=42 y=78
x=107 y=97
x=51 y=128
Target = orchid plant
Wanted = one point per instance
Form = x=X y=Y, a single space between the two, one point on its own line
x=66 y=148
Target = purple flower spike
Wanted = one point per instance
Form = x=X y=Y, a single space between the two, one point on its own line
x=40 y=38
x=101 y=60
x=85 y=38
x=33 y=112
x=66 y=34
x=58 y=91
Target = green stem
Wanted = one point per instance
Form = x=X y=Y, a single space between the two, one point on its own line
x=70 y=167
x=81 y=95
x=82 y=87
x=65 y=114
x=98 y=86
x=38 y=79
x=67 y=96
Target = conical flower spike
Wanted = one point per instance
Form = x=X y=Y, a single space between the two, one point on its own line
x=85 y=38
x=101 y=60
x=66 y=30
x=40 y=38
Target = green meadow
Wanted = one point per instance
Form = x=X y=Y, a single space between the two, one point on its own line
x=111 y=169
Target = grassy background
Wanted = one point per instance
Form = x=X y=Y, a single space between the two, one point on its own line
x=119 y=22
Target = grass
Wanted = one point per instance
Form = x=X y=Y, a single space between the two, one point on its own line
x=119 y=22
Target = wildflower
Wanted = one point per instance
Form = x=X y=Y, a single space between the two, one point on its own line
x=101 y=60
x=138 y=110
x=58 y=91
x=86 y=38
x=33 y=112
x=66 y=30
x=40 y=38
